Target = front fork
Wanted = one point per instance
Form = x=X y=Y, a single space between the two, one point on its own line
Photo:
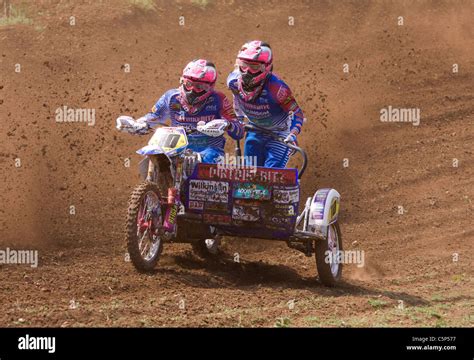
x=169 y=221
x=173 y=202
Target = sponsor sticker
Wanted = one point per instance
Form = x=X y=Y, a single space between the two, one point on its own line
x=279 y=221
x=196 y=205
x=321 y=195
x=285 y=196
x=246 y=213
x=283 y=95
x=173 y=106
x=199 y=140
x=284 y=210
x=205 y=190
x=318 y=204
x=318 y=215
x=259 y=175
x=217 y=219
x=266 y=122
x=211 y=108
x=318 y=211
x=252 y=191
x=216 y=206
x=246 y=202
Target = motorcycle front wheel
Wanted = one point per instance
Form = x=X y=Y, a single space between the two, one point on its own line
x=144 y=227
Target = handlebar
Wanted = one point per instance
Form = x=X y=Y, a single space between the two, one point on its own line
x=190 y=131
x=253 y=127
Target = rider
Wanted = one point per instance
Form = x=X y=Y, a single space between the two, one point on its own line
x=195 y=101
x=267 y=102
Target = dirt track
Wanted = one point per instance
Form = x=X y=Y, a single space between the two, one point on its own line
x=409 y=257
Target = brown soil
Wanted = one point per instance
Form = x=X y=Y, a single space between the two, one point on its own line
x=409 y=257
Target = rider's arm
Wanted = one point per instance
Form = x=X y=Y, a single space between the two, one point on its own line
x=288 y=103
x=159 y=113
x=238 y=111
x=236 y=128
x=232 y=80
x=232 y=85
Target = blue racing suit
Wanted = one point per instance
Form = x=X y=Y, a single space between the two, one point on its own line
x=274 y=109
x=216 y=106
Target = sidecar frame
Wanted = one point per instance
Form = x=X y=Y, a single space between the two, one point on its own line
x=252 y=203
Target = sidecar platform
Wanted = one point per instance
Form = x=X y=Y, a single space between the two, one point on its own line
x=252 y=202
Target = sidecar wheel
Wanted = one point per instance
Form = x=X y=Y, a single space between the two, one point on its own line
x=330 y=272
x=143 y=227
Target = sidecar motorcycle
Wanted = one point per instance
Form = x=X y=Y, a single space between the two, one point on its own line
x=183 y=200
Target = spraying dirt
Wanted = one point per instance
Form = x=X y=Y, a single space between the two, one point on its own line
x=407 y=191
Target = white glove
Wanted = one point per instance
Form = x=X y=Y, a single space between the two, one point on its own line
x=213 y=128
x=124 y=123
x=291 y=138
x=128 y=124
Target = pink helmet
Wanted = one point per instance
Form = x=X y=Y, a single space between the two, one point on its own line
x=197 y=83
x=254 y=61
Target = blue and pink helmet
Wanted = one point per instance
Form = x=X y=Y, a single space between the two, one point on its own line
x=255 y=63
x=197 y=83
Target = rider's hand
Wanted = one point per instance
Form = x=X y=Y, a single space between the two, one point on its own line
x=124 y=123
x=128 y=124
x=291 y=138
x=213 y=128
x=141 y=128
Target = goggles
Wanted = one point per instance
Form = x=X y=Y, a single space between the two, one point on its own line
x=252 y=67
x=196 y=86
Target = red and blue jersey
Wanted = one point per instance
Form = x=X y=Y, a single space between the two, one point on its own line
x=274 y=109
x=216 y=106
